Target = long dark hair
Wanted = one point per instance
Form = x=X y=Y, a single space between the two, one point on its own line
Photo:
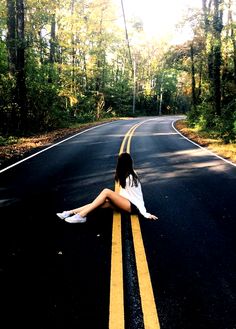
x=124 y=169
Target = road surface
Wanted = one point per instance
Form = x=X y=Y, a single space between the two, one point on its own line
x=58 y=275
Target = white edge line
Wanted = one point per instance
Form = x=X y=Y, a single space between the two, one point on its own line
x=64 y=140
x=201 y=147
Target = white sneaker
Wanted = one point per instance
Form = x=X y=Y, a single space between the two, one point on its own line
x=76 y=219
x=63 y=214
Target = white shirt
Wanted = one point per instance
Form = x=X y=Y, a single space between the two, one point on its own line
x=134 y=194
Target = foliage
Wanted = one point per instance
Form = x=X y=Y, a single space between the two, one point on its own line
x=4 y=141
x=209 y=60
x=75 y=66
x=226 y=124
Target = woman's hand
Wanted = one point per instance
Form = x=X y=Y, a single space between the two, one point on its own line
x=153 y=217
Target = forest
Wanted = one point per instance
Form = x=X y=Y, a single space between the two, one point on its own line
x=63 y=62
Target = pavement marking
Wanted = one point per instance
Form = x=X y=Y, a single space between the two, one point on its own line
x=127 y=135
x=116 y=307
x=53 y=145
x=201 y=147
x=116 y=314
x=130 y=136
x=150 y=316
x=116 y=317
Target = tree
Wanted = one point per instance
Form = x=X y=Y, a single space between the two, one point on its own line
x=16 y=58
x=20 y=63
x=217 y=29
x=11 y=35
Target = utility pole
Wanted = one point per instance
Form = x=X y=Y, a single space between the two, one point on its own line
x=134 y=84
x=160 y=104
x=132 y=62
x=161 y=96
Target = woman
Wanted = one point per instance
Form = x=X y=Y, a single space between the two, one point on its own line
x=129 y=198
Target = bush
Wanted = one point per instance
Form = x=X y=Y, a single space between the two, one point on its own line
x=226 y=123
x=224 y=126
x=4 y=141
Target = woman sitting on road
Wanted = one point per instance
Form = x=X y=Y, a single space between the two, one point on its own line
x=129 y=198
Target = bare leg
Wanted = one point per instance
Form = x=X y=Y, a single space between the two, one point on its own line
x=78 y=210
x=116 y=199
x=106 y=204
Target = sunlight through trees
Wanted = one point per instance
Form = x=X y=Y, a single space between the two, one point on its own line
x=64 y=62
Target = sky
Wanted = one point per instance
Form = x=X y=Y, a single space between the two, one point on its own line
x=159 y=16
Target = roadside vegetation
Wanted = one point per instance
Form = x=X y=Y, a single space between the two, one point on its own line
x=15 y=148
x=208 y=139
x=67 y=63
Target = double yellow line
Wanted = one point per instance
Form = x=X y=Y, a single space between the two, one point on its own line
x=116 y=311
x=128 y=137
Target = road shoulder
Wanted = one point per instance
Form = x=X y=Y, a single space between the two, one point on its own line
x=226 y=151
x=26 y=146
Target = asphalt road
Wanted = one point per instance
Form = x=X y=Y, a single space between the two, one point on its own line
x=57 y=275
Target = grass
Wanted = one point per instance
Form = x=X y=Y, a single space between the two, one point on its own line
x=208 y=140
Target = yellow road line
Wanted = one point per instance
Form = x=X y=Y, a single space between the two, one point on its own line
x=131 y=135
x=116 y=309
x=116 y=314
x=127 y=135
x=116 y=318
x=150 y=316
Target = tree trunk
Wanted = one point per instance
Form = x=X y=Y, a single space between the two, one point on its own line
x=217 y=28
x=206 y=14
x=52 y=40
x=11 y=48
x=11 y=35
x=20 y=64
x=200 y=81
x=72 y=47
x=52 y=48
x=233 y=38
x=193 y=76
x=234 y=52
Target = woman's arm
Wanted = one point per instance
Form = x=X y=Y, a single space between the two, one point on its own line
x=153 y=217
